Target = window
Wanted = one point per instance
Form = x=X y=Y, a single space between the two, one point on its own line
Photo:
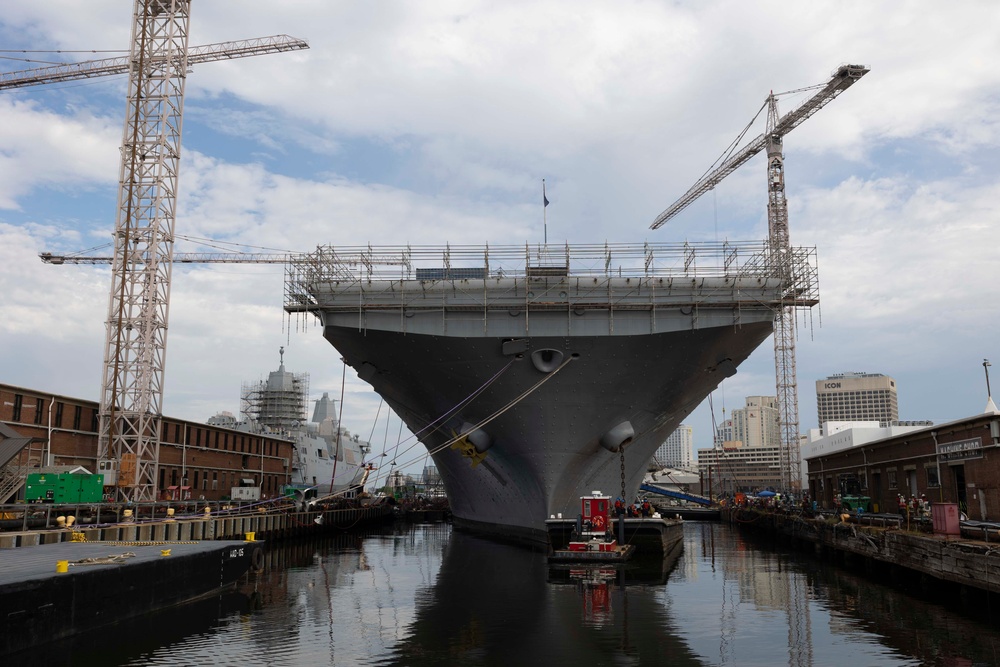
x=59 y=411
x=196 y=479
x=215 y=476
x=932 y=476
x=216 y=439
x=77 y=413
x=94 y=421
x=39 y=409
x=16 y=416
x=891 y=476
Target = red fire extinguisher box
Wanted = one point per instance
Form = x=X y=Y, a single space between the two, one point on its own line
x=945 y=518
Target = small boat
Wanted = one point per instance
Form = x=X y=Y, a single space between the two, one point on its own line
x=592 y=539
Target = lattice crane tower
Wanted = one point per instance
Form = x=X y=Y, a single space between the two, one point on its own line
x=136 y=336
x=135 y=343
x=778 y=238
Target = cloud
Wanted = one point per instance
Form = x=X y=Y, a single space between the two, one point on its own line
x=432 y=123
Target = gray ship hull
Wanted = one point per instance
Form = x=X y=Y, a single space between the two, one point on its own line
x=535 y=378
x=545 y=451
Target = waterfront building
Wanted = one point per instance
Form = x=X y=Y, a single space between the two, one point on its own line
x=954 y=462
x=849 y=397
x=747 y=451
x=196 y=460
x=733 y=467
x=838 y=436
x=677 y=451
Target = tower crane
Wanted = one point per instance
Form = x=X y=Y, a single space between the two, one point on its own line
x=136 y=332
x=777 y=225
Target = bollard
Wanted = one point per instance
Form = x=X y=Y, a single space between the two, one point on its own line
x=164 y=552
x=62 y=566
x=250 y=536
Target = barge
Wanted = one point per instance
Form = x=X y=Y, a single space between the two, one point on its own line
x=54 y=591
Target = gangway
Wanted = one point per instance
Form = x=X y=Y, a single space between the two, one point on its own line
x=679 y=495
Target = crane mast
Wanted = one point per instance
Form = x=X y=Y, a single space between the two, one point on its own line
x=130 y=412
x=786 y=376
x=136 y=333
x=786 y=384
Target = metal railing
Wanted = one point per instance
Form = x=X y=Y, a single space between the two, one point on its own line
x=796 y=267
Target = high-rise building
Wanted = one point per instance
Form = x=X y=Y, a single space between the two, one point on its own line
x=677 y=451
x=747 y=451
x=756 y=425
x=857 y=397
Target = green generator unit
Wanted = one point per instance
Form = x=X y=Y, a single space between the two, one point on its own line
x=854 y=503
x=64 y=488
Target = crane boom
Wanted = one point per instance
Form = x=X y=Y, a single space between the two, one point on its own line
x=90 y=69
x=842 y=79
x=178 y=258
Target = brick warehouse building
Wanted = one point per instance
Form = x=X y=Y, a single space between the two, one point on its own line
x=955 y=462
x=207 y=459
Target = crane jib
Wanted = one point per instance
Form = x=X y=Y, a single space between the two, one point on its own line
x=842 y=79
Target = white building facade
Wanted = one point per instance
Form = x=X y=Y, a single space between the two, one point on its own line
x=857 y=397
x=677 y=451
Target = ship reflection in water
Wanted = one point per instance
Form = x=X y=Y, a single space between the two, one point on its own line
x=425 y=595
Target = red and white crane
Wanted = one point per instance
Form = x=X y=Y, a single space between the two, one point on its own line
x=777 y=224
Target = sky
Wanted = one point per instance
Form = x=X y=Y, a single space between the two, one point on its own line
x=434 y=123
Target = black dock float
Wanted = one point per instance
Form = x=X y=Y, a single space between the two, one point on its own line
x=56 y=590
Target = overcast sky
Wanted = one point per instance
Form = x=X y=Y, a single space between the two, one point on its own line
x=428 y=123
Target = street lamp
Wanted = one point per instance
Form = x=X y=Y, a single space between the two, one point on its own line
x=986 y=368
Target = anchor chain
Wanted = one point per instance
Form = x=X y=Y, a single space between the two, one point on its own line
x=621 y=451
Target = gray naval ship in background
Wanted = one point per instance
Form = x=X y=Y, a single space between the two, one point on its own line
x=326 y=457
x=535 y=376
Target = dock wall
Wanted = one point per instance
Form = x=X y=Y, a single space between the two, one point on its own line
x=957 y=560
x=265 y=526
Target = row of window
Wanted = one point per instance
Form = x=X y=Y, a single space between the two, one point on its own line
x=221 y=440
x=41 y=408
x=210 y=438
x=198 y=479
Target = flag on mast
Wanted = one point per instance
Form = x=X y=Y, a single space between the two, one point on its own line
x=545 y=222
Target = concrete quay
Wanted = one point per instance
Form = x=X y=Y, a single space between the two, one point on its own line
x=269 y=526
x=955 y=559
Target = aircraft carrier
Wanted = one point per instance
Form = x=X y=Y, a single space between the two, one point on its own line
x=535 y=375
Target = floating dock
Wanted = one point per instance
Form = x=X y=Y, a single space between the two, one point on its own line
x=650 y=535
x=619 y=554
x=54 y=591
